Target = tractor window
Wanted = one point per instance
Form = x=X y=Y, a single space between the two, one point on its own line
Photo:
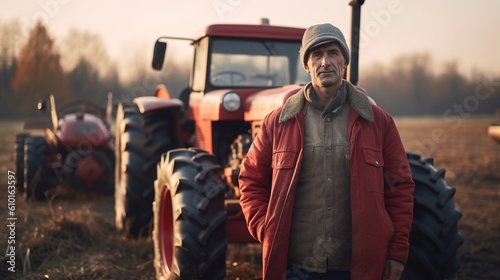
x=255 y=63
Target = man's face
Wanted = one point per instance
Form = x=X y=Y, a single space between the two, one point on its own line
x=326 y=65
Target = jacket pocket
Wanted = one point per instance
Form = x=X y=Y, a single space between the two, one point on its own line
x=373 y=157
x=283 y=159
x=373 y=171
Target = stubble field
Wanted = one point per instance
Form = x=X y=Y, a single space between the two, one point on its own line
x=73 y=237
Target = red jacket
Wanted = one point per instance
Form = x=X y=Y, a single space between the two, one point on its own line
x=381 y=186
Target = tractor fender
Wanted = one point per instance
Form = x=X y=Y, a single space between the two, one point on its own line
x=150 y=103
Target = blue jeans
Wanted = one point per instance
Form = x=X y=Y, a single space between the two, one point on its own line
x=294 y=273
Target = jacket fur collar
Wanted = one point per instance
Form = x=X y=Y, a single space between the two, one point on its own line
x=357 y=101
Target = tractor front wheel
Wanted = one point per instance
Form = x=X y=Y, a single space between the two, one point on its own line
x=36 y=166
x=189 y=232
x=19 y=155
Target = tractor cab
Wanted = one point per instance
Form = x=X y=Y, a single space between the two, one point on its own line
x=233 y=64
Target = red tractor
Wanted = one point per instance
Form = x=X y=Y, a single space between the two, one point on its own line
x=72 y=147
x=188 y=197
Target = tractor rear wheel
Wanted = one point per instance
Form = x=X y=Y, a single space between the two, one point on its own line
x=140 y=141
x=434 y=238
x=36 y=166
x=189 y=233
x=19 y=154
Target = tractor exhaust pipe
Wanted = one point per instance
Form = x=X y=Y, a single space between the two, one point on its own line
x=355 y=33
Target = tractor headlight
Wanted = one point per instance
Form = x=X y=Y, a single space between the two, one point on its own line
x=231 y=102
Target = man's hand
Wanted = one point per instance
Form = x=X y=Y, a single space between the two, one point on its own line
x=393 y=270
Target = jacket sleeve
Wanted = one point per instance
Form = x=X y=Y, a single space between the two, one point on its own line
x=255 y=181
x=399 y=187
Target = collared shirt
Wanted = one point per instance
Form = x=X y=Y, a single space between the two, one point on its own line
x=320 y=237
x=334 y=105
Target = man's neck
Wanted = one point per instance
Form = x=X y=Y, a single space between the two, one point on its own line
x=326 y=94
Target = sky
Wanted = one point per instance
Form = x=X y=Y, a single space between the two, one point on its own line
x=449 y=30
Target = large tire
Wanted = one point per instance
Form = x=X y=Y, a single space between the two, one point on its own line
x=140 y=141
x=19 y=156
x=434 y=238
x=35 y=167
x=189 y=233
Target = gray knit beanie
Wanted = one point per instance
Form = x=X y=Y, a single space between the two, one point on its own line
x=320 y=34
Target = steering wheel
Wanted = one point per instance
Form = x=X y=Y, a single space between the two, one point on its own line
x=232 y=75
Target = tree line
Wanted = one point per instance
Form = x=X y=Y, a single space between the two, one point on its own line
x=79 y=67
x=411 y=86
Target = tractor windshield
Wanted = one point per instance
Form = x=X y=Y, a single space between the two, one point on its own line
x=255 y=63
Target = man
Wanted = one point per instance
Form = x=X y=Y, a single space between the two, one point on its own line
x=326 y=186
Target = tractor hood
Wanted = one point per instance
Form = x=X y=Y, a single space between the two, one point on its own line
x=211 y=105
x=82 y=130
x=255 y=103
x=263 y=102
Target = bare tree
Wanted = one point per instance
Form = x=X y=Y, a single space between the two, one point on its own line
x=83 y=45
x=39 y=71
x=10 y=41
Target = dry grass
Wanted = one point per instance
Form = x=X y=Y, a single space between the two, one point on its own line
x=77 y=243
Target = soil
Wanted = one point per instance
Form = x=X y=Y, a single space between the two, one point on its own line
x=73 y=236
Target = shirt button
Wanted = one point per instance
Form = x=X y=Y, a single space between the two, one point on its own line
x=329 y=179
x=327 y=119
x=329 y=208
x=376 y=162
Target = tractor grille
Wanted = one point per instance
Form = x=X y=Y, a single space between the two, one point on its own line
x=200 y=139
